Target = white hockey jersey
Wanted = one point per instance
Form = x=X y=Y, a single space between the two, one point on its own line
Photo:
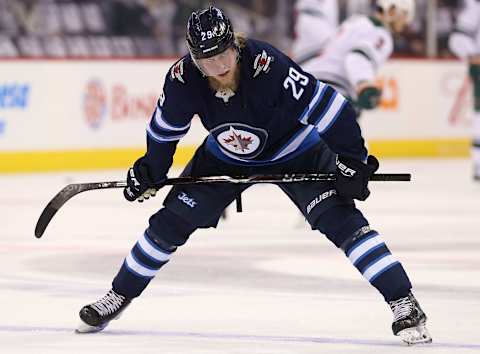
x=356 y=52
x=316 y=22
x=465 y=39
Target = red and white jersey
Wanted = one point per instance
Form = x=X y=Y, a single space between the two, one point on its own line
x=465 y=39
x=316 y=22
x=356 y=52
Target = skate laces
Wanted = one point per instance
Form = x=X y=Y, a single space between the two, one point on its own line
x=401 y=308
x=108 y=304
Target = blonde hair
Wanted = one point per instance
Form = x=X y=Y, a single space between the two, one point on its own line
x=240 y=39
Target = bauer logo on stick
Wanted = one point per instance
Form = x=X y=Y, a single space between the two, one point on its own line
x=345 y=170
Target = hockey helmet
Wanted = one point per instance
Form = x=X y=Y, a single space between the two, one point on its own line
x=408 y=6
x=209 y=32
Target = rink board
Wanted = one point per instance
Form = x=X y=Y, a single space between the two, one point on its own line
x=84 y=114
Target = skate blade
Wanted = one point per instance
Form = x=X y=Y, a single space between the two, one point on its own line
x=415 y=335
x=85 y=328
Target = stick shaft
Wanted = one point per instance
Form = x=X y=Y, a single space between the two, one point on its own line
x=73 y=189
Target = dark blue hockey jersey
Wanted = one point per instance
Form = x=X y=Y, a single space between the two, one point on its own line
x=278 y=112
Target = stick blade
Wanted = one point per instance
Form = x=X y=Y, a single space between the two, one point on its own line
x=44 y=220
x=52 y=207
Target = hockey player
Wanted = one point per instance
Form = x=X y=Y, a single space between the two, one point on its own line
x=352 y=58
x=264 y=115
x=315 y=23
x=464 y=42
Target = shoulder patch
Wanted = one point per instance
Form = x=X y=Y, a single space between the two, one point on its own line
x=176 y=72
x=262 y=63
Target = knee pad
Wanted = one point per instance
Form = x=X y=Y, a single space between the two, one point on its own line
x=169 y=230
x=339 y=223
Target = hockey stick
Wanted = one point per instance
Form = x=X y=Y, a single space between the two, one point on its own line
x=73 y=189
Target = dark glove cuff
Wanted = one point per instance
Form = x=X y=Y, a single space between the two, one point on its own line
x=142 y=173
x=369 y=97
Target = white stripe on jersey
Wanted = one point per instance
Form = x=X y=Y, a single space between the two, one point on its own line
x=332 y=113
x=294 y=144
x=319 y=92
x=162 y=123
x=162 y=139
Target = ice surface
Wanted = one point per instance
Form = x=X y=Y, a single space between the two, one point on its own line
x=256 y=284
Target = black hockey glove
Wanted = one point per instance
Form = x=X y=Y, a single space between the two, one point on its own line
x=140 y=184
x=369 y=97
x=353 y=175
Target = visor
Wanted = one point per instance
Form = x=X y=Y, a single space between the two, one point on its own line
x=218 y=64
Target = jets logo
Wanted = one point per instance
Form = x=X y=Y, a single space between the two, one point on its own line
x=240 y=140
x=237 y=142
x=176 y=73
x=262 y=63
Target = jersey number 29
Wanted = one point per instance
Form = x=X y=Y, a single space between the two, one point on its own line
x=294 y=78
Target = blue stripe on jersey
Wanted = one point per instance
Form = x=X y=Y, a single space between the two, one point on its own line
x=321 y=104
x=162 y=123
x=320 y=90
x=161 y=131
x=293 y=143
x=161 y=138
x=165 y=133
x=326 y=107
x=308 y=141
x=332 y=112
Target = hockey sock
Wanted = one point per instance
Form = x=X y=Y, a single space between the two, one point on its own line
x=140 y=266
x=373 y=259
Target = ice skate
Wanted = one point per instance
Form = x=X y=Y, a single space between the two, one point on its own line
x=96 y=316
x=409 y=321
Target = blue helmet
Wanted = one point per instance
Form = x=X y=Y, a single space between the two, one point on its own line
x=209 y=32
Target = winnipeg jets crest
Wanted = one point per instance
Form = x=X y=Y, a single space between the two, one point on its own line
x=225 y=94
x=238 y=143
x=262 y=63
x=177 y=72
x=240 y=140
